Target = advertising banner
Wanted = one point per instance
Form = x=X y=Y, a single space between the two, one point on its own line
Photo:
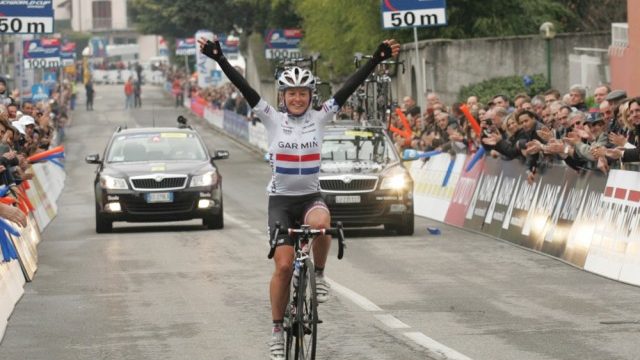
x=463 y=193
x=513 y=174
x=579 y=224
x=282 y=43
x=236 y=125
x=68 y=53
x=229 y=43
x=98 y=47
x=544 y=211
x=24 y=77
x=518 y=211
x=432 y=193
x=484 y=194
x=39 y=92
x=186 y=47
x=41 y=53
x=614 y=250
x=204 y=65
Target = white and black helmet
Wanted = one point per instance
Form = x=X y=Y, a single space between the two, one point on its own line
x=296 y=77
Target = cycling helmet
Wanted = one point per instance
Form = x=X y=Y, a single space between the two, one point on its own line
x=296 y=77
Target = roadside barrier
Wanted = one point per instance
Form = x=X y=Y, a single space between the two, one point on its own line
x=19 y=255
x=587 y=219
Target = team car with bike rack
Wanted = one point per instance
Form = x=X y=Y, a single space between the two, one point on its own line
x=157 y=174
x=363 y=181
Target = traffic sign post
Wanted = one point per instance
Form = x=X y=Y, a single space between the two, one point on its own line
x=26 y=17
x=400 y=14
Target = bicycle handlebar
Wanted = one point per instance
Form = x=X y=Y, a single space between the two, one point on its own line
x=337 y=232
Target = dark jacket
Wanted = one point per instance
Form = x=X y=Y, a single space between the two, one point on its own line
x=511 y=147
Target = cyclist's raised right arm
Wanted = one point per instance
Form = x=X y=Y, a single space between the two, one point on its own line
x=212 y=49
x=386 y=49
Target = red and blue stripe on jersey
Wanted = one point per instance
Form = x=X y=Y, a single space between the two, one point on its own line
x=297 y=164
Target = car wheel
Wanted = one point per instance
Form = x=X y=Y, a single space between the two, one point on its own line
x=404 y=228
x=214 y=221
x=102 y=225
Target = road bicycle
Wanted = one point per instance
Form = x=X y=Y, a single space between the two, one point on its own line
x=375 y=97
x=301 y=318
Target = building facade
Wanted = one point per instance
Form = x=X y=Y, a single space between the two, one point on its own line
x=624 y=52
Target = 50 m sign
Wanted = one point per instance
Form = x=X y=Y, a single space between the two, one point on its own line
x=26 y=16
x=28 y=25
x=413 y=13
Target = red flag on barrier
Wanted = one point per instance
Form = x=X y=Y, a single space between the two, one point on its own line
x=22 y=195
x=44 y=154
x=470 y=118
x=407 y=133
x=8 y=200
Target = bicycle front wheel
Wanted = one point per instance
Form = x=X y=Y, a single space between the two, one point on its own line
x=306 y=325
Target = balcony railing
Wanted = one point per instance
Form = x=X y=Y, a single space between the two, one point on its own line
x=102 y=23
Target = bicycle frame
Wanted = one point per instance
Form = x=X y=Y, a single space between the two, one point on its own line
x=303 y=308
x=377 y=99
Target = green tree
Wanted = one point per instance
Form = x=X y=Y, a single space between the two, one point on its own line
x=338 y=28
x=182 y=18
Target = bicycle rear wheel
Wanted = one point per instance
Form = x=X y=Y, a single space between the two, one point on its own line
x=305 y=328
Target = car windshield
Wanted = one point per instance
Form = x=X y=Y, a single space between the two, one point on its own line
x=158 y=146
x=356 y=145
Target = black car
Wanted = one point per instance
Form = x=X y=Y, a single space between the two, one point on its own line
x=157 y=174
x=363 y=181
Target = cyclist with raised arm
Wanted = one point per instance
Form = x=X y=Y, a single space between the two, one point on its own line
x=295 y=140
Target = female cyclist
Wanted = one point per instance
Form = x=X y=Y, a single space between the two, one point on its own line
x=295 y=138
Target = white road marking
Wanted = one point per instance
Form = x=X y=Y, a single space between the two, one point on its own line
x=358 y=299
x=391 y=321
x=435 y=347
x=232 y=219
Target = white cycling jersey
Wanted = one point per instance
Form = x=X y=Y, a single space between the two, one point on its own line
x=295 y=147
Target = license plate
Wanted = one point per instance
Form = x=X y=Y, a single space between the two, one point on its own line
x=347 y=199
x=159 y=197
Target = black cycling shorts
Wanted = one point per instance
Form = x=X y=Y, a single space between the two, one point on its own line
x=291 y=211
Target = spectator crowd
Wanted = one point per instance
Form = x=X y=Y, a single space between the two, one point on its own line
x=540 y=130
x=28 y=127
x=223 y=97
x=547 y=128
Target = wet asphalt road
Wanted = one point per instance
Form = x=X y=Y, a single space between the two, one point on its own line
x=178 y=291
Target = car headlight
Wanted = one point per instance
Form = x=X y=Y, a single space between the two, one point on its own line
x=394 y=182
x=113 y=183
x=206 y=179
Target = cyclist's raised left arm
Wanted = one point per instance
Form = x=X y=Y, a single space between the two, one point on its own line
x=386 y=50
x=213 y=50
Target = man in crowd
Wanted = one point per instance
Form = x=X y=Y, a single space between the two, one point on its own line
x=410 y=106
x=577 y=96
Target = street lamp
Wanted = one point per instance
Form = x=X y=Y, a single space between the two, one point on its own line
x=548 y=32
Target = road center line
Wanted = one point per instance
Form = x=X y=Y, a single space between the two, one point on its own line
x=233 y=219
x=432 y=346
x=391 y=321
x=435 y=347
x=358 y=299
